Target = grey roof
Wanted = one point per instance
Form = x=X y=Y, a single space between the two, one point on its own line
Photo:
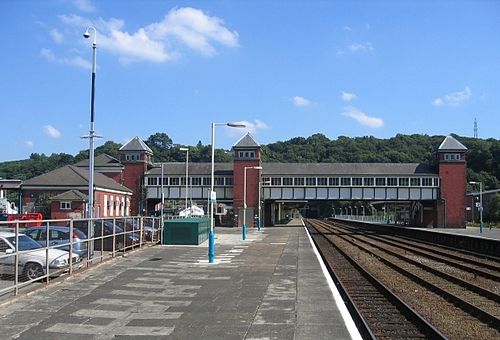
x=246 y=142
x=270 y=169
x=70 y=195
x=103 y=160
x=301 y=169
x=179 y=168
x=73 y=176
x=451 y=144
x=136 y=144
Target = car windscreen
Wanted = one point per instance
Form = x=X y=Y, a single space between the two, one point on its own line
x=25 y=242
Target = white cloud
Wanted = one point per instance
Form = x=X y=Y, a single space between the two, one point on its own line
x=161 y=41
x=57 y=36
x=347 y=97
x=362 y=118
x=454 y=98
x=51 y=131
x=251 y=127
x=347 y=28
x=84 y=5
x=29 y=144
x=301 y=101
x=361 y=47
x=74 y=61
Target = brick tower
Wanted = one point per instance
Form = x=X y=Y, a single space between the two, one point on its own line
x=135 y=155
x=247 y=153
x=453 y=175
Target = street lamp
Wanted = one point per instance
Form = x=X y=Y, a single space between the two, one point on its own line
x=244 y=229
x=91 y=129
x=260 y=189
x=480 y=208
x=211 y=237
x=187 y=177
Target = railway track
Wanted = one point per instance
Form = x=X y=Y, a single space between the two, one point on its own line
x=477 y=304
x=367 y=297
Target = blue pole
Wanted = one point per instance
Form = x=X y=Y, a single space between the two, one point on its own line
x=211 y=247
x=244 y=231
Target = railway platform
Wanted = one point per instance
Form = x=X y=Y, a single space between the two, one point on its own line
x=270 y=286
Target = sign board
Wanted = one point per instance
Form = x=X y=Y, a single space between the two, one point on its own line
x=478 y=204
x=213 y=197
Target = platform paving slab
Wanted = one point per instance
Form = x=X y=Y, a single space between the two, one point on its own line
x=269 y=286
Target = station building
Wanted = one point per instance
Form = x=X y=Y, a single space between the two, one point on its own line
x=429 y=197
x=133 y=185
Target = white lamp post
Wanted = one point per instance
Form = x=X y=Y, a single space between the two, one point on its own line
x=187 y=177
x=91 y=129
x=211 y=236
x=244 y=229
x=480 y=208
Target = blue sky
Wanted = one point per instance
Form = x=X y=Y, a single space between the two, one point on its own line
x=286 y=68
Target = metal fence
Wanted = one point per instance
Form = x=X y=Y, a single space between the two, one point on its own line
x=36 y=252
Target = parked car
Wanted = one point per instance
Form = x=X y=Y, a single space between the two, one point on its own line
x=59 y=235
x=32 y=257
x=148 y=230
x=103 y=234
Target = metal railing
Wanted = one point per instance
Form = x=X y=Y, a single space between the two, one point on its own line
x=33 y=253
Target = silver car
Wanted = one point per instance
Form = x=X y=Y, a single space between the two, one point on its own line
x=32 y=257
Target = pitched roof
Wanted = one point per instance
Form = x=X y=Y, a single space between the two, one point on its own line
x=136 y=144
x=202 y=169
x=70 y=195
x=103 y=160
x=73 y=176
x=451 y=144
x=246 y=142
x=345 y=169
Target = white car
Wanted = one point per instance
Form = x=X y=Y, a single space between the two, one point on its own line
x=32 y=257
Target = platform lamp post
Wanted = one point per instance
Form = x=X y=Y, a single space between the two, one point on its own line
x=260 y=208
x=480 y=208
x=211 y=236
x=91 y=135
x=187 y=177
x=244 y=229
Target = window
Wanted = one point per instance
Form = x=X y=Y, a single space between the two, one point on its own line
x=392 y=181
x=345 y=181
x=275 y=180
x=174 y=180
x=165 y=180
x=380 y=181
x=357 y=181
x=311 y=181
x=229 y=181
x=322 y=181
x=427 y=182
x=414 y=182
x=183 y=181
x=219 y=181
x=207 y=180
x=298 y=181
x=452 y=156
x=152 y=181
x=368 y=181
x=195 y=180
x=266 y=181
x=333 y=181
x=436 y=182
x=403 y=182
x=287 y=181
x=65 y=205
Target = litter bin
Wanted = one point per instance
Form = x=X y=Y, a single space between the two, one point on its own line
x=189 y=231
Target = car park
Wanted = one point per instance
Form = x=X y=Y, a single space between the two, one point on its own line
x=32 y=257
x=104 y=231
x=58 y=237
